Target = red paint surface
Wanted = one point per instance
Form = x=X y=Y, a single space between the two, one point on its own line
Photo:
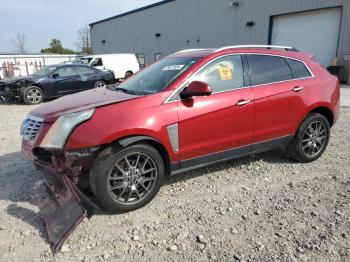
x=206 y=124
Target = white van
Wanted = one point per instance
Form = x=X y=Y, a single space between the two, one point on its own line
x=122 y=65
x=2 y=75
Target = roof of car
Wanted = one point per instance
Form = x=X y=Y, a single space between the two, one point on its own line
x=263 y=49
x=193 y=52
x=63 y=65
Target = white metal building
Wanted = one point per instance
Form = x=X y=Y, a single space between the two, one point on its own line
x=317 y=26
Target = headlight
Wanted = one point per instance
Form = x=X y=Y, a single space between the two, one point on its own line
x=59 y=132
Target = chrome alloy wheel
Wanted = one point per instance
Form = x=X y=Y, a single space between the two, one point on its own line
x=34 y=96
x=314 y=138
x=132 y=178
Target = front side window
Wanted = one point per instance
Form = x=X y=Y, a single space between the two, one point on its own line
x=158 y=76
x=65 y=71
x=97 y=62
x=223 y=74
x=266 y=69
x=298 y=69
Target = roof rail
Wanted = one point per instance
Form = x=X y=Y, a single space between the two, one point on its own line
x=287 y=48
x=190 y=50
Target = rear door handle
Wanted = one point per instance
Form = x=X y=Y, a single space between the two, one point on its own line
x=298 y=88
x=242 y=102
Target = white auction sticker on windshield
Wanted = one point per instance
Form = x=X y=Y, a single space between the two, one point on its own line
x=173 y=68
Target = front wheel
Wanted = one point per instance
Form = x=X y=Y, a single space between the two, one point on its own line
x=311 y=139
x=128 y=179
x=33 y=95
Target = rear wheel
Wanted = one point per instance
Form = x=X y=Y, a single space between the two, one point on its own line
x=128 y=179
x=311 y=139
x=100 y=84
x=33 y=95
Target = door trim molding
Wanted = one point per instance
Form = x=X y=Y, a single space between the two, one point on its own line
x=209 y=159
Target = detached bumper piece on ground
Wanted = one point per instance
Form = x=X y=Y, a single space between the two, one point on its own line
x=63 y=208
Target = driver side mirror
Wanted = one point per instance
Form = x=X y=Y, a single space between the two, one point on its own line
x=55 y=75
x=196 y=88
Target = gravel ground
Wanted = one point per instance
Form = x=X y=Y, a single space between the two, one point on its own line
x=260 y=208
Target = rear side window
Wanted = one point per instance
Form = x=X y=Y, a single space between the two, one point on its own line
x=266 y=69
x=299 y=70
x=80 y=70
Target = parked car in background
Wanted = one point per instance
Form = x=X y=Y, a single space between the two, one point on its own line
x=188 y=110
x=54 y=81
x=122 y=65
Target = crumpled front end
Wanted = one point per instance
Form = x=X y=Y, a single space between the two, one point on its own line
x=63 y=205
x=13 y=89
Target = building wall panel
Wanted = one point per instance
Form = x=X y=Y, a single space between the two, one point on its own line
x=204 y=23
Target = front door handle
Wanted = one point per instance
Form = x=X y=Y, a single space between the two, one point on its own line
x=242 y=102
x=298 y=88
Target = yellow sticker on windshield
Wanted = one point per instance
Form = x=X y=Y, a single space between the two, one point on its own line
x=225 y=73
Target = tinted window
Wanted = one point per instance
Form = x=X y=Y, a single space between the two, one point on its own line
x=268 y=69
x=298 y=68
x=65 y=71
x=223 y=74
x=80 y=70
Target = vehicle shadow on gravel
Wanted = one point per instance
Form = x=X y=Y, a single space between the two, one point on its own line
x=272 y=157
x=20 y=184
x=19 y=190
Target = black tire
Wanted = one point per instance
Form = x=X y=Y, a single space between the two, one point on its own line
x=104 y=169
x=301 y=144
x=33 y=95
x=128 y=74
x=100 y=84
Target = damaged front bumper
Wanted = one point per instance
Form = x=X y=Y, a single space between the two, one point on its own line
x=10 y=90
x=63 y=206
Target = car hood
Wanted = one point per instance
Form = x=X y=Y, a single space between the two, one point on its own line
x=79 y=102
x=11 y=80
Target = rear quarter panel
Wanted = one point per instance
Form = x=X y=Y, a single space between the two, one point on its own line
x=324 y=91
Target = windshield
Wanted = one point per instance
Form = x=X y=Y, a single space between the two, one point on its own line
x=45 y=71
x=158 y=76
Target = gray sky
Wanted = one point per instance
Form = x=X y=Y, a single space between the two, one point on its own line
x=42 y=20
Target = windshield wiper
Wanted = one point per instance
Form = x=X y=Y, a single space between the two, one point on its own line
x=128 y=91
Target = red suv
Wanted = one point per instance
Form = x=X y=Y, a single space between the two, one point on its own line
x=188 y=110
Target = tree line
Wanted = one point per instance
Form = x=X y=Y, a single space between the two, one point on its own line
x=83 y=44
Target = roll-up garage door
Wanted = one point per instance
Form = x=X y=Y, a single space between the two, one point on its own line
x=316 y=32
